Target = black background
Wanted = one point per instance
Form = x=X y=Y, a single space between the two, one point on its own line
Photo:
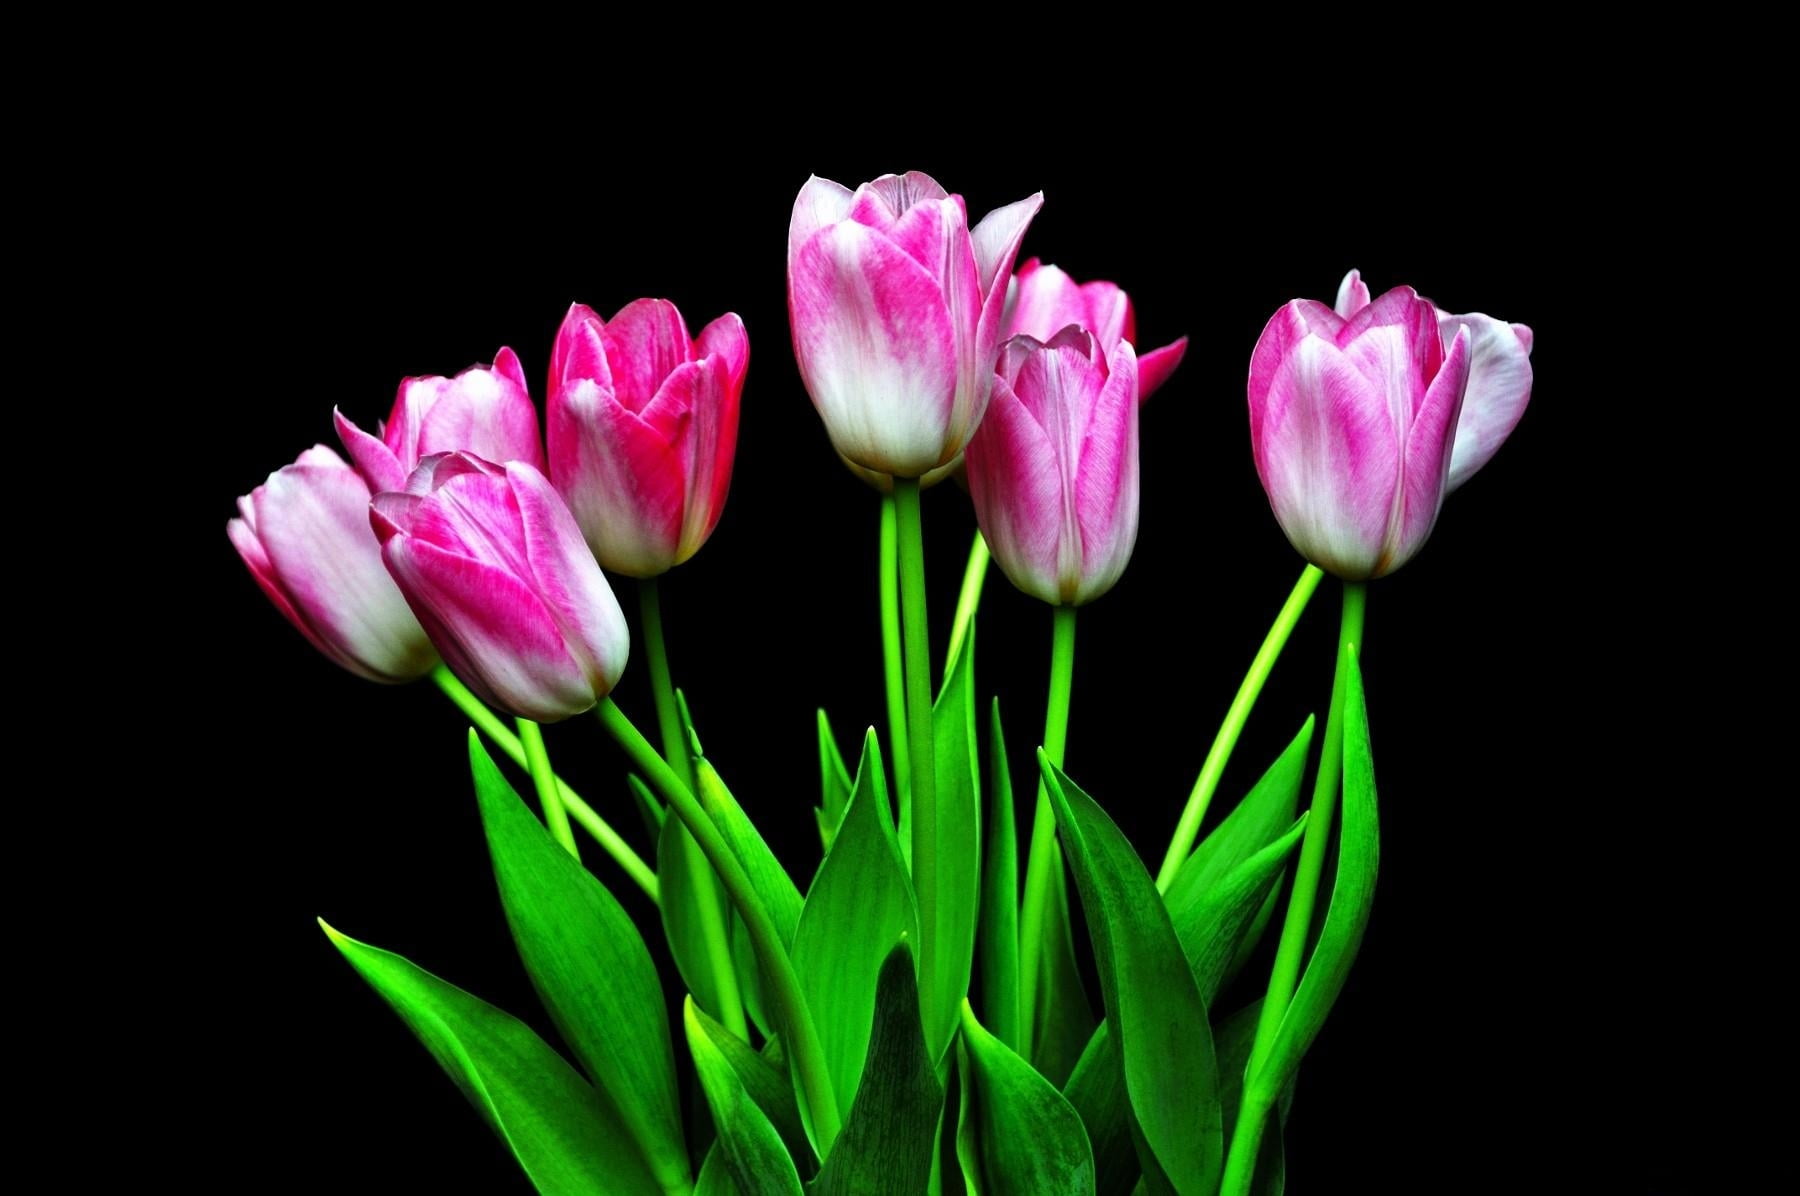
x=1500 y=960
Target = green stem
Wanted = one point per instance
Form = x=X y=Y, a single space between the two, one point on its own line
x=798 y=1031
x=1046 y=856
x=890 y=649
x=709 y=908
x=1188 y=829
x=969 y=600
x=918 y=727
x=537 y=759
x=495 y=728
x=1284 y=977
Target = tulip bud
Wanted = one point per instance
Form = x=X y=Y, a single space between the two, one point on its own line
x=492 y=563
x=896 y=305
x=1351 y=425
x=305 y=535
x=1053 y=469
x=1043 y=300
x=1499 y=379
x=643 y=427
x=485 y=410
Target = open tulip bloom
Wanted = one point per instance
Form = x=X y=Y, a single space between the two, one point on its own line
x=827 y=1015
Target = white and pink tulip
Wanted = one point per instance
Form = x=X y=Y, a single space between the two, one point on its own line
x=1043 y=300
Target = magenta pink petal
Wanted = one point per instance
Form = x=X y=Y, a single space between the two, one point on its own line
x=566 y=577
x=372 y=457
x=1499 y=389
x=820 y=202
x=644 y=342
x=1353 y=295
x=1429 y=444
x=623 y=479
x=726 y=338
x=1016 y=485
x=1154 y=367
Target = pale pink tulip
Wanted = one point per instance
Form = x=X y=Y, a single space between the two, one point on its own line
x=492 y=563
x=1043 y=300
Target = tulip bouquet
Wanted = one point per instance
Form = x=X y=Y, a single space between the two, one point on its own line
x=910 y=1017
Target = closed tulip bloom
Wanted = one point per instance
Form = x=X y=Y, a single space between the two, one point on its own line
x=1053 y=469
x=1043 y=300
x=1352 y=422
x=485 y=410
x=643 y=426
x=305 y=535
x=896 y=306
x=1499 y=379
x=492 y=563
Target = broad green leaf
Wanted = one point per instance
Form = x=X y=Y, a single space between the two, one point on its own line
x=565 y=1135
x=859 y=906
x=590 y=968
x=999 y=954
x=752 y=1149
x=1171 y=1076
x=958 y=855
x=1015 y=1134
x=834 y=783
x=1264 y=813
x=766 y=1080
x=1208 y=929
x=1063 y=1018
x=679 y=883
x=649 y=806
x=1352 y=897
x=888 y=1139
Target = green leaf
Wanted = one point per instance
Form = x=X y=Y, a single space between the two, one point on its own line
x=999 y=954
x=958 y=855
x=1015 y=1134
x=1063 y=1017
x=565 y=1136
x=752 y=1149
x=1171 y=1076
x=765 y=1079
x=681 y=891
x=1352 y=897
x=888 y=1140
x=859 y=906
x=590 y=968
x=1234 y=1038
x=649 y=806
x=715 y=1175
x=834 y=783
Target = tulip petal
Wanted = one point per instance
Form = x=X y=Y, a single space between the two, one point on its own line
x=1106 y=481
x=711 y=447
x=373 y=458
x=493 y=631
x=820 y=202
x=1154 y=367
x=1044 y=301
x=1395 y=343
x=1429 y=444
x=725 y=337
x=996 y=241
x=473 y=514
x=884 y=200
x=486 y=411
x=1499 y=389
x=1108 y=314
x=1016 y=486
x=1352 y=296
x=580 y=350
x=645 y=341
x=623 y=479
x=568 y=579
x=875 y=347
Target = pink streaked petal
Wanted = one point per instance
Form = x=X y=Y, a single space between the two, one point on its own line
x=1429 y=445
x=726 y=339
x=624 y=480
x=492 y=630
x=1353 y=295
x=711 y=449
x=820 y=202
x=1499 y=390
x=997 y=240
x=568 y=579
x=1044 y=301
x=926 y=231
x=1106 y=483
x=1291 y=323
x=374 y=460
x=882 y=201
x=976 y=339
x=243 y=538
x=1395 y=343
x=1014 y=354
x=645 y=341
x=1328 y=454
x=1058 y=383
x=580 y=349
x=1154 y=367
x=1109 y=315
x=486 y=411
x=875 y=347
x=474 y=515
x=1017 y=488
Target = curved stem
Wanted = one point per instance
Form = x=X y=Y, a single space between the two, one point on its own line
x=1046 y=856
x=537 y=757
x=798 y=1031
x=968 y=601
x=495 y=728
x=890 y=650
x=918 y=726
x=1284 y=977
x=1188 y=829
x=709 y=909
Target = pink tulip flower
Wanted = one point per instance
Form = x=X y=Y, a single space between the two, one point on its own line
x=1043 y=300
x=305 y=535
x=1053 y=469
x=1351 y=425
x=643 y=427
x=485 y=410
x=492 y=563
x=896 y=307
